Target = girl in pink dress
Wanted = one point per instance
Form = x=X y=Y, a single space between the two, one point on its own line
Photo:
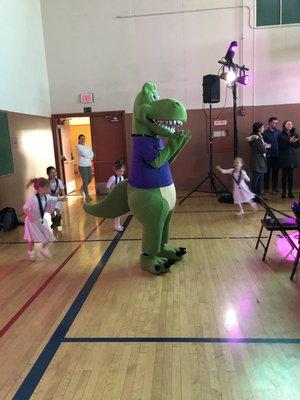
x=241 y=192
x=36 y=227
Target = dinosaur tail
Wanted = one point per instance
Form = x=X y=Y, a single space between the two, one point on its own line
x=113 y=205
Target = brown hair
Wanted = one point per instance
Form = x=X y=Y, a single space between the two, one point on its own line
x=240 y=160
x=119 y=164
x=38 y=182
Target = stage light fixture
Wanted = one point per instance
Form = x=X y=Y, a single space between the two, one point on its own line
x=229 y=76
x=231 y=52
x=233 y=74
x=243 y=79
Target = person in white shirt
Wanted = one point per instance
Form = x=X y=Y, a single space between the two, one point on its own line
x=85 y=156
x=117 y=177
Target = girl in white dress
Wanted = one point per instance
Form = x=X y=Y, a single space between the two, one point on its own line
x=56 y=189
x=241 y=192
x=117 y=177
x=36 y=227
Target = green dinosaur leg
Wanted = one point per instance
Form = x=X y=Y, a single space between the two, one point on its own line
x=151 y=210
x=174 y=253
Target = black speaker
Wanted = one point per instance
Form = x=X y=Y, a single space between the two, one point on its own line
x=211 y=89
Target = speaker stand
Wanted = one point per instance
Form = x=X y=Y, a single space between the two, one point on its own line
x=211 y=176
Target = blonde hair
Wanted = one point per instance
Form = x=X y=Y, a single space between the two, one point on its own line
x=239 y=159
x=38 y=182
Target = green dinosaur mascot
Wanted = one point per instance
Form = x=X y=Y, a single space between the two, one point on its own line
x=149 y=191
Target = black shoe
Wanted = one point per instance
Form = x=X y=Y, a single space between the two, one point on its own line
x=58 y=220
x=283 y=195
x=291 y=196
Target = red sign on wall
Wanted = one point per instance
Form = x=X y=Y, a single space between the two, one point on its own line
x=86 y=98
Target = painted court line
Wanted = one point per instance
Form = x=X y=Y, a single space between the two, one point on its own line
x=139 y=239
x=179 y=340
x=31 y=381
x=9 y=324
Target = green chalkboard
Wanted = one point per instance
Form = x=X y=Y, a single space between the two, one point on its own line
x=6 y=158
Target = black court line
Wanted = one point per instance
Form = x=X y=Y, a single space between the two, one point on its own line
x=179 y=340
x=31 y=381
x=139 y=239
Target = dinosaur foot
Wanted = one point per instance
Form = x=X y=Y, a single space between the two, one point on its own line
x=173 y=253
x=155 y=265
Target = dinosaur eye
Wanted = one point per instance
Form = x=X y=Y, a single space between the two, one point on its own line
x=154 y=96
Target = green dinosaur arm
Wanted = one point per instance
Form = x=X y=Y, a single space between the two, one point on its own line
x=163 y=157
x=187 y=137
x=173 y=148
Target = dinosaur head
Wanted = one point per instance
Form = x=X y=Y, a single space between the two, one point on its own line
x=155 y=117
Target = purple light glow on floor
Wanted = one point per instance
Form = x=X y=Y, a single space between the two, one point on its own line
x=284 y=247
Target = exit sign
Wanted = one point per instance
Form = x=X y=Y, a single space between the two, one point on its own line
x=86 y=98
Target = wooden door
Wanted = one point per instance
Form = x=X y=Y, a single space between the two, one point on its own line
x=67 y=159
x=58 y=150
x=109 y=144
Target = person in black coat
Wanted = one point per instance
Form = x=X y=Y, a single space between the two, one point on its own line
x=288 y=142
x=258 y=161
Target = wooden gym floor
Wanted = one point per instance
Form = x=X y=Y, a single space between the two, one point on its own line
x=90 y=324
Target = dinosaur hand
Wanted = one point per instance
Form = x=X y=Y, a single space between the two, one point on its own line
x=175 y=140
x=178 y=139
x=187 y=135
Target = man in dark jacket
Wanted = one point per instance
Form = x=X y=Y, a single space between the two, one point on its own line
x=270 y=136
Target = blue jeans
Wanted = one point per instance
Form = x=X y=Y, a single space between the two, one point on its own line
x=257 y=180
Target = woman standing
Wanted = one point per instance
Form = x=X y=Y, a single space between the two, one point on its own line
x=85 y=156
x=288 y=142
x=258 y=160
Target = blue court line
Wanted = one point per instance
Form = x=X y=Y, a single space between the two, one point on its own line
x=31 y=381
x=178 y=340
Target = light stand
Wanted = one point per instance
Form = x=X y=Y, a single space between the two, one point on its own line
x=242 y=78
x=235 y=130
x=211 y=176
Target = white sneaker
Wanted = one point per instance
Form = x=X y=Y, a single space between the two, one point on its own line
x=44 y=252
x=31 y=255
x=119 y=228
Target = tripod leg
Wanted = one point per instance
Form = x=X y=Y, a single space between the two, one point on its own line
x=221 y=183
x=213 y=188
x=194 y=190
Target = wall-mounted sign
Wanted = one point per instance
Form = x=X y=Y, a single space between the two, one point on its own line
x=220 y=122
x=220 y=133
x=86 y=98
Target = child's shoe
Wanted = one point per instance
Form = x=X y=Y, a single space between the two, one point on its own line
x=253 y=206
x=119 y=228
x=240 y=213
x=31 y=255
x=44 y=252
x=58 y=220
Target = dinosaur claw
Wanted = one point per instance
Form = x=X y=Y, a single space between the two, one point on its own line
x=182 y=251
x=169 y=263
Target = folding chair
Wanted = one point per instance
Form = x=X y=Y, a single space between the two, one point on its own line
x=282 y=224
